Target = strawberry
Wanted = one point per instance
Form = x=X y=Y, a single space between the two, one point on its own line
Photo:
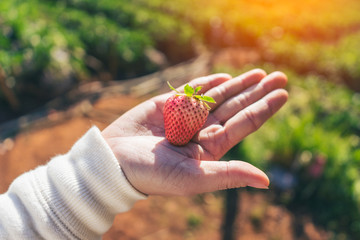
x=185 y=114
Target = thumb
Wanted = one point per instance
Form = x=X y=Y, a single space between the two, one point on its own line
x=220 y=175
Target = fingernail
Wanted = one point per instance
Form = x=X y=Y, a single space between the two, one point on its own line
x=258 y=185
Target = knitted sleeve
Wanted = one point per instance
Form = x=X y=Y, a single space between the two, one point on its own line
x=74 y=196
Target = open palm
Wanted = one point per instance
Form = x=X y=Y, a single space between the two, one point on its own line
x=154 y=166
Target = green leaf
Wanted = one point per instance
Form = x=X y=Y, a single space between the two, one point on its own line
x=189 y=91
x=198 y=89
x=207 y=99
x=172 y=88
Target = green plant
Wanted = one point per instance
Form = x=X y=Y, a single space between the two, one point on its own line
x=194 y=221
x=47 y=47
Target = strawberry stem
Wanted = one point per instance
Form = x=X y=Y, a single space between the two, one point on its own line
x=172 y=88
x=191 y=92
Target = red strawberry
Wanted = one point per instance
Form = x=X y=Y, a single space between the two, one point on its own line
x=184 y=114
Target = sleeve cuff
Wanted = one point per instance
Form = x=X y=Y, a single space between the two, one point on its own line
x=86 y=188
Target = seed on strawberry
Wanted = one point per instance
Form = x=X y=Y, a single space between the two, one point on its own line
x=185 y=114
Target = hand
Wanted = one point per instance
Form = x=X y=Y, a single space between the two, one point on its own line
x=154 y=166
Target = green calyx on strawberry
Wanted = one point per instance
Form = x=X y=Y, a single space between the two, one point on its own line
x=185 y=114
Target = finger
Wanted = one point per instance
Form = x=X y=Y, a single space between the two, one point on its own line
x=252 y=94
x=207 y=82
x=217 y=139
x=219 y=175
x=252 y=117
x=234 y=86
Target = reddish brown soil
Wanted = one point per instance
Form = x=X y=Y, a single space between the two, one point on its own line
x=198 y=217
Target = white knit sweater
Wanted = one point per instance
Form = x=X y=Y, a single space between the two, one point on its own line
x=74 y=196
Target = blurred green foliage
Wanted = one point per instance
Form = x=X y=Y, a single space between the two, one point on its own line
x=338 y=61
x=49 y=46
